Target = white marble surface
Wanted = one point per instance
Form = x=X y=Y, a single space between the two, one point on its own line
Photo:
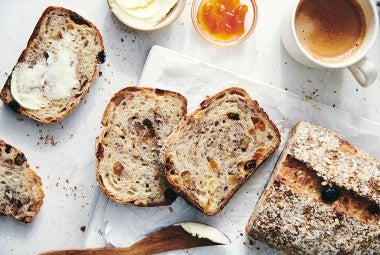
x=62 y=154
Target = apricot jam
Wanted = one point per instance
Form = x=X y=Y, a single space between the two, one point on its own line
x=222 y=19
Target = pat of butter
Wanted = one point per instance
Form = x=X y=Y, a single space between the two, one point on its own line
x=144 y=13
x=49 y=79
x=205 y=231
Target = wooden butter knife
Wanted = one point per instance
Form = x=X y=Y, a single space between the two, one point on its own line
x=179 y=236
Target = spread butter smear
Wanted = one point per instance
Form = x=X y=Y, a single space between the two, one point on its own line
x=51 y=78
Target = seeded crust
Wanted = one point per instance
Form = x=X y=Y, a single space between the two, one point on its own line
x=87 y=46
x=217 y=148
x=136 y=124
x=291 y=216
x=21 y=193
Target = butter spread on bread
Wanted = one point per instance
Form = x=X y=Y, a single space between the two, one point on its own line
x=322 y=198
x=217 y=148
x=21 y=193
x=57 y=67
x=136 y=124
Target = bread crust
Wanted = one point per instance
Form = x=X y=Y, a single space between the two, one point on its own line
x=76 y=20
x=21 y=196
x=167 y=196
x=293 y=217
x=172 y=169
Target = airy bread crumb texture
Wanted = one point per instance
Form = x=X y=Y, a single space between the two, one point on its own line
x=217 y=148
x=21 y=194
x=137 y=123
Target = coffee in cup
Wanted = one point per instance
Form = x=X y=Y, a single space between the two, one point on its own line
x=330 y=30
x=333 y=34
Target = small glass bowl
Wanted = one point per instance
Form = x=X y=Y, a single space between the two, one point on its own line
x=249 y=24
x=174 y=13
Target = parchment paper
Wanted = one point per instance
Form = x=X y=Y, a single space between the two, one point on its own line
x=165 y=69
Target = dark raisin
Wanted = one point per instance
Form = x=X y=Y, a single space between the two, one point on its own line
x=170 y=195
x=101 y=57
x=100 y=152
x=330 y=194
x=159 y=92
x=8 y=148
x=19 y=159
x=46 y=55
x=233 y=116
x=250 y=165
x=78 y=19
x=14 y=106
x=148 y=123
x=373 y=209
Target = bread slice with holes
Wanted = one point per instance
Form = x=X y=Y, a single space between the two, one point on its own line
x=322 y=198
x=217 y=148
x=21 y=193
x=136 y=124
x=57 y=67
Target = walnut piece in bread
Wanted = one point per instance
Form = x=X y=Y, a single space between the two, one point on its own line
x=136 y=124
x=322 y=198
x=217 y=148
x=21 y=193
x=57 y=67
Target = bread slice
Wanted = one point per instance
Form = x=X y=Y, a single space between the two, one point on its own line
x=21 y=193
x=322 y=198
x=57 y=67
x=136 y=124
x=217 y=148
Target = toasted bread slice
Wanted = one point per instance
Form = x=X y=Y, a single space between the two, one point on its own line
x=217 y=148
x=21 y=193
x=322 y=198
x=57 y=67
x=137 y=122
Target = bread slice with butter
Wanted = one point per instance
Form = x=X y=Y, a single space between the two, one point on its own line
x=21 y=193
x=57 y=67
x=137 y=122
x=217 y=148
x=322 y=198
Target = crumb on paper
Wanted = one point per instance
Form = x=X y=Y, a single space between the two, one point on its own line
x=83 y=228
x=47 y=139
x=20 y=119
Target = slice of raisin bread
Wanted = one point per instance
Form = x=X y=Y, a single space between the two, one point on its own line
x=217 y=148
x=322 y=198
x=137 y=122
x=21 y=193
x=57 y=67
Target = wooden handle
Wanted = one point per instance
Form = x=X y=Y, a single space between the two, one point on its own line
x=95 y=251
x=167 y=239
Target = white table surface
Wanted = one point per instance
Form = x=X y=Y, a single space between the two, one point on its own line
x=55 y=151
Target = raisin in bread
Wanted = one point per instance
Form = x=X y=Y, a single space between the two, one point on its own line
x=136 y=124
x=21 y=193
x=217 y=148
x=57 y=67
x=322 y=198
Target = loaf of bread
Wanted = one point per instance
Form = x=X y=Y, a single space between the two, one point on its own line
x=21 y=193
x=136 y=124
x=322 y=198
x=57 y=67
x=217 y=148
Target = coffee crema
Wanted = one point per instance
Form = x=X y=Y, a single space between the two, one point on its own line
x=330 y=30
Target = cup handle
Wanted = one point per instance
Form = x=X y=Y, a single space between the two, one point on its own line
x=364 y=72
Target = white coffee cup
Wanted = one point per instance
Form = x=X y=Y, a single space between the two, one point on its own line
x=360 y=66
